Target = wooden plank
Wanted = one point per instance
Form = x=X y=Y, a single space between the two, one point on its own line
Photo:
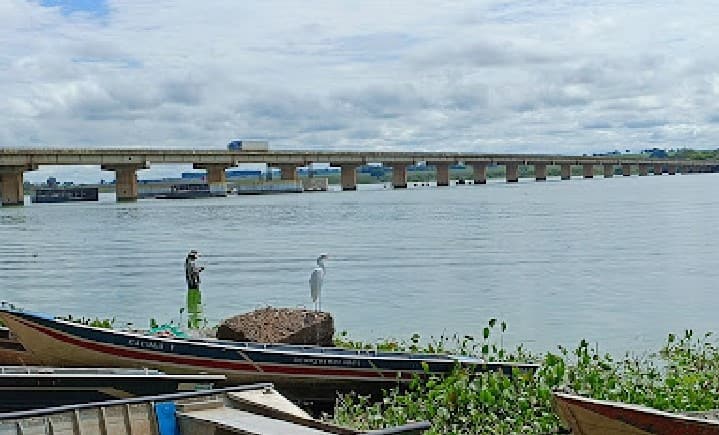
x=128 y=422
x=154 y=426
x=77 y=428
x=102 y=420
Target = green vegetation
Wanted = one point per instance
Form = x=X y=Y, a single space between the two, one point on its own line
x=689 y=154
x=682 y=376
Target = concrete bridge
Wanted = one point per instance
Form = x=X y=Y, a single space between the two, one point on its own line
x=126 y=162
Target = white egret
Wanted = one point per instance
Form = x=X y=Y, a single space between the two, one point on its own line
x=316 y=279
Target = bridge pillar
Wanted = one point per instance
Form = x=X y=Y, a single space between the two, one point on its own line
x=643 y=169
x=512 y=172
x=657 y=169
x=672 y=169
x=288 y=172
x=566 y=171
x=349 y=177
x=588 y=170
x=540 y=171
x=11 y=185
x=480 y=172
x=626 y=169
x=216 y=178
x=399 y=176
x=442 y=174
x=125 y=180
x=608 y=170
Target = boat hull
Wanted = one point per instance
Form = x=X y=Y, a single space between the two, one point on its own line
x=301 y=372
x=599 y=417
x=256 y=409
x=23 y=388
x=65 y=351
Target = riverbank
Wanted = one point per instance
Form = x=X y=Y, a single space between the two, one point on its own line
x=681 y=376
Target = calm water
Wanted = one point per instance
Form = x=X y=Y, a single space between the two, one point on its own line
x=620 y=261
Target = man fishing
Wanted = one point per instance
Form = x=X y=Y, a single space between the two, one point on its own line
x=194 y=297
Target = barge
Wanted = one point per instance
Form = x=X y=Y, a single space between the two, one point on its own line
x=187 y=191
x=66 y=194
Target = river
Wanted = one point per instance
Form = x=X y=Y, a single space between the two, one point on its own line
x=621 y=262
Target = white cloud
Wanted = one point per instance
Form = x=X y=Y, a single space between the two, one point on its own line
x=494 y=76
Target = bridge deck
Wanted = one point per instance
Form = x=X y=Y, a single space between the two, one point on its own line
x=143 y=157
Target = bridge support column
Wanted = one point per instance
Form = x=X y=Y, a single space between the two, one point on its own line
x=657 y=169
x=643 y=169
x=540 y=171
x=11 y=186
x=480 y=173
x=216 y=178
x=399 y=176
x=608 y=170
x=512 y=172
x=125 y=180
x=288 y=172
x=566 y=171
x=588 y=170
x=349 y=177
x=626 y=169
x=442 y=174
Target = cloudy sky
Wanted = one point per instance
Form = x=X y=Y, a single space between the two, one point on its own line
x=566 y=77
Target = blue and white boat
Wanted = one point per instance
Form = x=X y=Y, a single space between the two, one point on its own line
x=307 y=372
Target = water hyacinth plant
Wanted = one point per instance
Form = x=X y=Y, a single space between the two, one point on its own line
x=682 y=376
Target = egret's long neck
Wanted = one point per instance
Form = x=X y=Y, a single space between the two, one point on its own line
x=321 y=263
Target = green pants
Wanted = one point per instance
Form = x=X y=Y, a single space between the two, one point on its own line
x=194 y=308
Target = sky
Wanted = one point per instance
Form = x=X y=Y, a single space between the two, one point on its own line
x=564 y=77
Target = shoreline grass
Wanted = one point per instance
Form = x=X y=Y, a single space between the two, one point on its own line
x=681 y=376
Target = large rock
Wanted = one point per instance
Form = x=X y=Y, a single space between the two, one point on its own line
x=279 y=325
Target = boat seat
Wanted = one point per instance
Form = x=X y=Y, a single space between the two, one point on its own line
x=231 y=421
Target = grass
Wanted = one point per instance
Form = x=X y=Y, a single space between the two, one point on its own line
x=682 y=376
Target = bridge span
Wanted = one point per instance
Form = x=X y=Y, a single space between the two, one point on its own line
x=14 y=162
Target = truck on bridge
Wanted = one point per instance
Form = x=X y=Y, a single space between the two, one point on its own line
x=248 y=145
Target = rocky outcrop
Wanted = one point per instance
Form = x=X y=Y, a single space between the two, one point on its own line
x=279 y=325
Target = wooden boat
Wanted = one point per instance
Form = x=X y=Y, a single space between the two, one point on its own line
x=12 y=352
x=28 y=387
x=594 y=417
x=301 y=372
x=249 y=409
